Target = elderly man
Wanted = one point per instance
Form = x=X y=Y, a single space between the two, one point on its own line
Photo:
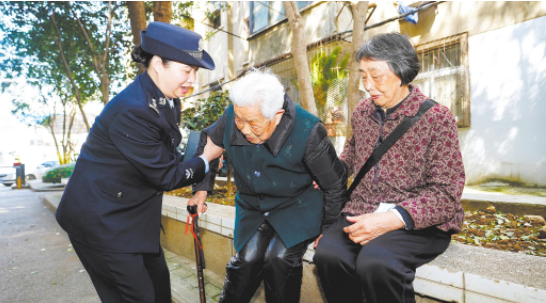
x=277 y=149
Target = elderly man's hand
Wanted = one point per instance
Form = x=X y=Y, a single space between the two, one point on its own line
x=370 y=226
x=199 y=200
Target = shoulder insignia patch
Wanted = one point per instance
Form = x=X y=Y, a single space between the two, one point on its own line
x=189 y=173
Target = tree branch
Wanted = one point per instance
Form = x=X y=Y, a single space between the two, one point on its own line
x=86 y=36
x=67 y=68
x=108 y=33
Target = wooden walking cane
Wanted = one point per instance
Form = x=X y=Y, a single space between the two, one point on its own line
x=199 y=255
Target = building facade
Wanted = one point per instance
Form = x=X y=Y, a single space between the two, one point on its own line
x=486 y=61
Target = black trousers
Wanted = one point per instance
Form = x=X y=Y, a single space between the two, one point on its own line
x=265 y=257
x=383 y=269
x=127 y=277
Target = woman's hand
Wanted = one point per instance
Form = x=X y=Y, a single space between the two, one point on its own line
x=199 y=200
x=370 y=226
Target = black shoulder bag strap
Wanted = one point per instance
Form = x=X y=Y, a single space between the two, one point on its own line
x=382 y=149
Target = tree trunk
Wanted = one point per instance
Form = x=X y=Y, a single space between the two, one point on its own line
x=163 y=11
x=137 y=15
x=354 y=95
x=51 y=124
x=299 y=52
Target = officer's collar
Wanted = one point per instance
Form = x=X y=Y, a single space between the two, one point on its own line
x=154 y=95
x=280 y=134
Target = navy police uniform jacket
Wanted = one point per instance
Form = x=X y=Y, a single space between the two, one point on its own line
x=113 y=200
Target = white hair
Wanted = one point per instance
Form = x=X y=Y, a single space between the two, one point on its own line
x=259 y=87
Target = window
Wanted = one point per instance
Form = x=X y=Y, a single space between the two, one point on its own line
x=444 y=74
x=265 y=13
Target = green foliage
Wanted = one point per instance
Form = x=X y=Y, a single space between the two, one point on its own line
x=29 y=50
x=325 y=69
x=182 y=11
x=55 y=174
x=205 y=111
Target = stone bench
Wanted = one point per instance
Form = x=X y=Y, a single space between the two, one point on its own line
x=462 y=274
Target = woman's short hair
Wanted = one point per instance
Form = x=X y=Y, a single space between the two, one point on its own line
x=141 y=56
x=259 y=87
x=397 y=50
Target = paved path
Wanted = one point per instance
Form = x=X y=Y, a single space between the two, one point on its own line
x=37 y=263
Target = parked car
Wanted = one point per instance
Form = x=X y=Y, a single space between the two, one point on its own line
x=7 y=175
x=40 y=170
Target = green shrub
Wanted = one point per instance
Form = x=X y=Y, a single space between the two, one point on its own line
x=55 y=174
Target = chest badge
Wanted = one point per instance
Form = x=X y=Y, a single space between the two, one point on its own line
x=153 y=105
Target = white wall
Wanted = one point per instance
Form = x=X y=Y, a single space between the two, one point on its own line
x=507 y=136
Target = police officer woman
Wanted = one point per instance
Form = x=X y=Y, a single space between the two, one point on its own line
x=111 y=208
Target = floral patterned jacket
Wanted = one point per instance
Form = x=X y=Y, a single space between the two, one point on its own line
x=423 y=172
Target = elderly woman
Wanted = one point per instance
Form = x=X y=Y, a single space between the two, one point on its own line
x=111 y=208
x=403 y=212
x=277 y=150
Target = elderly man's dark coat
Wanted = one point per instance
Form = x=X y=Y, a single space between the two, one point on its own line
x=275 y=179
x=113 y=200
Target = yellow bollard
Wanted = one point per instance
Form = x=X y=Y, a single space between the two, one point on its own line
x=18 y=182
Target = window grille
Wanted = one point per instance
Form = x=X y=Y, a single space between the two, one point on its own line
x=444 y=74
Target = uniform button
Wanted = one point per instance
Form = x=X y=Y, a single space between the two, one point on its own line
x=266 y=214
x=257 y=173
x=120 y=194
x=159 y=193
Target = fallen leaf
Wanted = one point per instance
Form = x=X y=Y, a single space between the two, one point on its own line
x=81 y=270
x=34 y=272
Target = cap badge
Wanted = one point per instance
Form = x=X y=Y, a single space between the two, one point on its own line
x=200 y=45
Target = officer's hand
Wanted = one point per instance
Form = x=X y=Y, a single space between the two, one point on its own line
x=199 y=200
x=212 y=151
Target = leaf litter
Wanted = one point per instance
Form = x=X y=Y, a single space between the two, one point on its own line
x=493 y=229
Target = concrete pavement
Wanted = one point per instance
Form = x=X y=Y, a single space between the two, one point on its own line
x=37 y=263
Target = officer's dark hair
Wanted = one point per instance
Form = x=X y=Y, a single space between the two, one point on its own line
x=397 y=50
x=141 y=56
